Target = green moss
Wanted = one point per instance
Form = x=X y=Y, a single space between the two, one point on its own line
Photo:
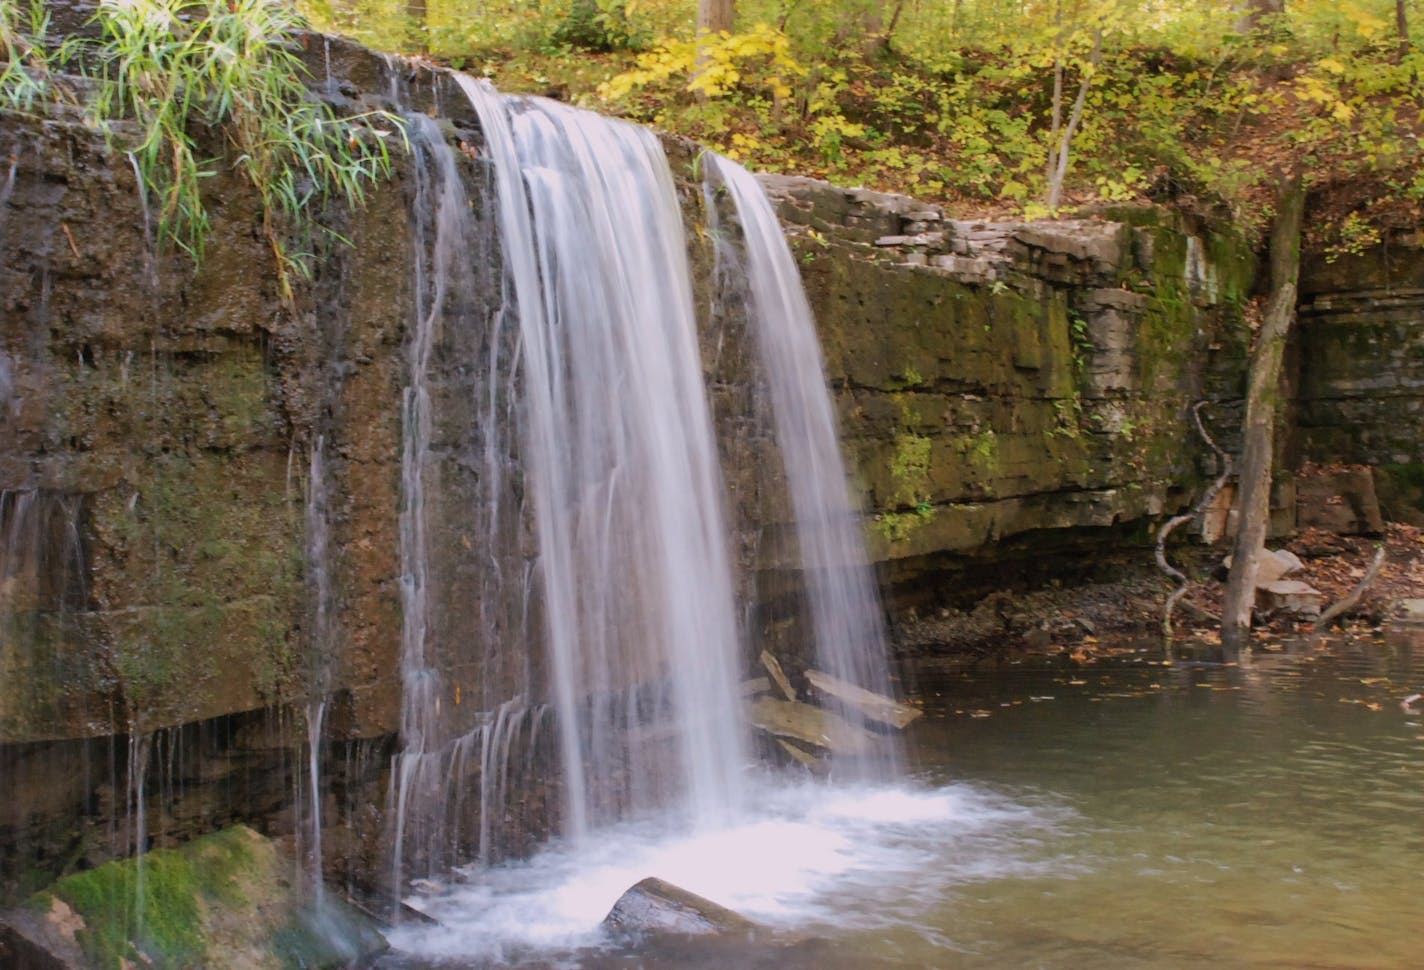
x=149 y=911
x=149 y=916
x=910 y=469
x=897 y=526
x=982 y=450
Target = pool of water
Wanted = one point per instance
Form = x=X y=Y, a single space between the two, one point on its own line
x=1121 y=813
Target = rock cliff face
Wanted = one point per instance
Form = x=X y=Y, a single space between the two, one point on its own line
x=1008 y=393
x=1016 y=390
x=1360 y=395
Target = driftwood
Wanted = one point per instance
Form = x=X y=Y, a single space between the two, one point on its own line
x=778 y=676
x=868 y=704
x=1171 y=524
x=1348 y=601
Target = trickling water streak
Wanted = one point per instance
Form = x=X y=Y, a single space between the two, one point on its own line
x=846 y=617
x=442 y=203
x=323 y=641
x=139 y=747
x=620 y=460
x=316 y=712
x=393 y=73
x=150 y=244
x=8 y=189
x=318 y=530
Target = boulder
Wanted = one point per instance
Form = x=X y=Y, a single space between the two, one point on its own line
x=1409 y=613
x=1272 y=566
x=1340 y=500
x=1290 y=596
x=655 y=906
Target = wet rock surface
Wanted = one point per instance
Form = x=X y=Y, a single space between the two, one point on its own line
x=225 y=901
x=655 y=906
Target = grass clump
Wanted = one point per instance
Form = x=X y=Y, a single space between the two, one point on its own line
x=29 y=57
x=165 y=72
x=176 y=67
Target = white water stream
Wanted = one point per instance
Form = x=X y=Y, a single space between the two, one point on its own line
x=621 y=464
x=844 y=605
x=606 y=408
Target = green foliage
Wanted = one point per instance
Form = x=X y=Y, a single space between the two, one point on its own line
x=1179 y=106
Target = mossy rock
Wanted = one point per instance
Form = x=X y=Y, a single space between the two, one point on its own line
x=226 y=900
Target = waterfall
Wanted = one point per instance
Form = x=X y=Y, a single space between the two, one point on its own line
x=844 y=606
x=562 y=492
x=619 y=462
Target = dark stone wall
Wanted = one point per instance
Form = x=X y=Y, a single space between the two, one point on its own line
x=1361 y=388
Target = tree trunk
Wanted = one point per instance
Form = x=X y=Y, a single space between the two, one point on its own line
x=1401 y=23
x=1255 y=13
x=714 y=16
x=1061 y=143
x=1254 y=494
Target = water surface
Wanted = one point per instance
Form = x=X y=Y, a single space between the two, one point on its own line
x=1111 y=814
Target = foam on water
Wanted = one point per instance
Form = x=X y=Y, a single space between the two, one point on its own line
x=791 y=865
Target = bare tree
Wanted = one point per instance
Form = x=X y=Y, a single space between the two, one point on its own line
x=1060 y=136
x=1258 y=434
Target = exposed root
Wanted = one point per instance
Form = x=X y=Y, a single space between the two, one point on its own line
x=1171 y=524
x=1348 y=601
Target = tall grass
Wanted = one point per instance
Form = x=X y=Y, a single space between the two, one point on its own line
x=166 y=72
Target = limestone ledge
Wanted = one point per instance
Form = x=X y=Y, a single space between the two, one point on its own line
x=1001 y=379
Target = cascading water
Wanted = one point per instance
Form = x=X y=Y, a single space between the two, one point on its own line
x=466 y=705
x=843 y=604
x=620 y=463
x=600 y=440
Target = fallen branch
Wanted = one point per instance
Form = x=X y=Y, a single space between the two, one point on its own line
x=1200 y=612
x=1207 y=498
x=1348 y=601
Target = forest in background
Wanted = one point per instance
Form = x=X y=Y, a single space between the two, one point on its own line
x=994 y=107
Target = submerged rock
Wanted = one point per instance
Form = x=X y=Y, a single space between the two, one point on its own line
x=656 y=906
